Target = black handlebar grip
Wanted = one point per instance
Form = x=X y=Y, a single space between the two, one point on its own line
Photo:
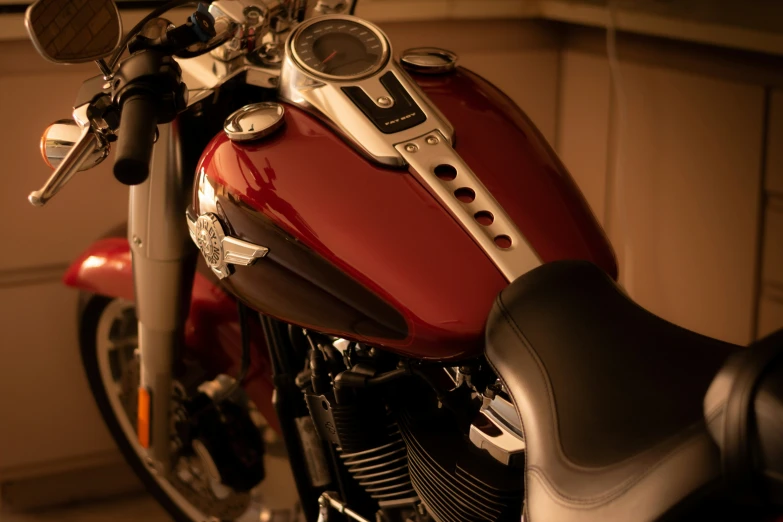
x=135 y=139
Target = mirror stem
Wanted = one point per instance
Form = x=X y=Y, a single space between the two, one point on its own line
x=105 y=69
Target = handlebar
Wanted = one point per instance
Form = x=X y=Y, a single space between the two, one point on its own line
x=135 y=138
x=67 y=168
x=147 y=89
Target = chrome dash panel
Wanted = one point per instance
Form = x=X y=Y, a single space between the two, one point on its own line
x=327 y=99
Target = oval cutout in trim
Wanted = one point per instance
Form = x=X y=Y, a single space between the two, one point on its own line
x=484 y=217
x=465 y=195
x=445 y=172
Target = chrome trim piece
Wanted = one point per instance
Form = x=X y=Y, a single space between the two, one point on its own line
x=326 y=7
x=243 y=25
x=88 y=141
x=505 y=443
x=326 y=100
x=219 y=250
x=341 y=345
x=424 y=154
x=384 y=42
x=246 y=25
x=254 y=121
x=204 y=75
x=504 y=409
x=240 y=11
x=206 y=194
x=429 y=60
x=60 y=137
x=330 y=501
x=239 y=252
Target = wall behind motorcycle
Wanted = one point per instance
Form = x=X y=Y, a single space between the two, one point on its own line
x=689 y=136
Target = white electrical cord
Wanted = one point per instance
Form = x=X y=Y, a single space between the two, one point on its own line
x=618 y=159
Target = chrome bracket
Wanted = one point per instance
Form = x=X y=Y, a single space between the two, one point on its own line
x=330 y=501
x=219 y=250
x=498 y=431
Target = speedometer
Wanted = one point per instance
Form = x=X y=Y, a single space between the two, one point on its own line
x=340 y=48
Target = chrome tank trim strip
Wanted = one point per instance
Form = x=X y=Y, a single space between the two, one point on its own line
x=433 y=153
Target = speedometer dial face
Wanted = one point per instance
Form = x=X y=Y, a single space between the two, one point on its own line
x=340 y=49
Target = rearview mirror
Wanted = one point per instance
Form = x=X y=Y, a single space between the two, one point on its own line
x=74 y=31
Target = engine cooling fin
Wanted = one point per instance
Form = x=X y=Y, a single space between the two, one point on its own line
x=383 y=471
x=372 y=449
x=456 y=481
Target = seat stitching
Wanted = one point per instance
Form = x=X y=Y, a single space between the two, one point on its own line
x=499 y=302
x=715 y=411
x=624 y=487
x=550 y=394
x=553 y=402
x=548 y=484
x=539 y=364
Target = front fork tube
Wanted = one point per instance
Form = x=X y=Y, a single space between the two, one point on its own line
x=163 y=264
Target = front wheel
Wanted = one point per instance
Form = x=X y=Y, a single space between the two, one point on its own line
x=190 y=492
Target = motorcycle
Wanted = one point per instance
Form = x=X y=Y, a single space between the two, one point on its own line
x=379 y=259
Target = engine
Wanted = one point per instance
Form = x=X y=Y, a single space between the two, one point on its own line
x=413 y=442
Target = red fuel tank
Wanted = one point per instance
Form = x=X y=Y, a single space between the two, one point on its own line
x=365 y=252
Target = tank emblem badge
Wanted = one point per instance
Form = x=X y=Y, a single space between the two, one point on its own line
x=219 y=250
x=209 y=239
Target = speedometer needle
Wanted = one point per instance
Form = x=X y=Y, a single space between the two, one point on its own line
x=334 y=53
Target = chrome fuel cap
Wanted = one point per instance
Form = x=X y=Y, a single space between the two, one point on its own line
x=254 y=121
x=428 y=60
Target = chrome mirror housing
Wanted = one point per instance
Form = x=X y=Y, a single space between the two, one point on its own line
x=68 y=31
x=60 y=137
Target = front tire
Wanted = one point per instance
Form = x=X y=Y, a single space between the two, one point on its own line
x=108 y=345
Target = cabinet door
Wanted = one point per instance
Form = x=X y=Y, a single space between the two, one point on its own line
x=583 y=124
x=771 y=298
x=774 y=174
x=770 y=312
x=49 y=420
x=91 y=203
x=687 y=165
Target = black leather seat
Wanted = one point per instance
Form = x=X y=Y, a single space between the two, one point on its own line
x=610 y=397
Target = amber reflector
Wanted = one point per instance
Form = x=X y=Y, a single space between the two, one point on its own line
x=43 y=147
x=143 y=419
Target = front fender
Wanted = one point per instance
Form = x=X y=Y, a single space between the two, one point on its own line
x=105 y=268
x=212 y=334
